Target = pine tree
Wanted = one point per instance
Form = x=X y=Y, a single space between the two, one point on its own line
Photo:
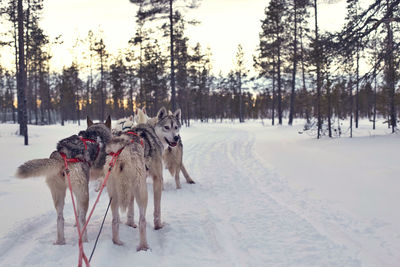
x=160 y=10
x=272 y=45
x=241 y=73
x=379 y=16
x=117 y=82
x=21 y=80
x=100 y=49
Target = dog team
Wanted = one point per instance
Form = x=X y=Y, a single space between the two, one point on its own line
x=136 y=147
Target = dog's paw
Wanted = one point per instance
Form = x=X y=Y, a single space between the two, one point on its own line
x=59 y=242
x=131 y=224
x=158 y=226
x=191 y=182
x=143 y=247
x=118 y=242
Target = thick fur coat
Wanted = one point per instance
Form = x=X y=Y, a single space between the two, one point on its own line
x=127 y=181
x=92 y=156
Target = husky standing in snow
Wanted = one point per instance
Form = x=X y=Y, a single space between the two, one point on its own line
x=87 y=149
x=167 y=128
x=127 y=181
x=153 y=149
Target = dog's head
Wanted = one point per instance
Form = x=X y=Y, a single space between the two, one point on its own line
x=124 y=124
x=98 y=130
x=168 y=126
x=101 y=133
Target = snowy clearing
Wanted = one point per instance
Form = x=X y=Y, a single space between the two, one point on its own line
x=264 y=196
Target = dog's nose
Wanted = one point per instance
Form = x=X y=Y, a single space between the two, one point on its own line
x=176 y=138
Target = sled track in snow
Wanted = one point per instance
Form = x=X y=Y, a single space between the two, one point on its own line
x=239 y=213
x=258 y=230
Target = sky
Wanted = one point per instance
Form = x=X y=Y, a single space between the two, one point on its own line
x=224 y=25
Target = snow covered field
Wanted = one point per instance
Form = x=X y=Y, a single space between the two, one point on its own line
x=264 y=196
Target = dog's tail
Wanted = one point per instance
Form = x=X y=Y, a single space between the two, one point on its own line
x=39 y=167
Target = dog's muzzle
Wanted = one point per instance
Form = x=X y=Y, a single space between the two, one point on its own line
x=172 y=144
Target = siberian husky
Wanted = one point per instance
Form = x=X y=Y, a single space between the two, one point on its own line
x=167 y=128
x=153 y=149
x=127 y=181
x=88 y=149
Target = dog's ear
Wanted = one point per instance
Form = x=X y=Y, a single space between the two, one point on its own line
x=89 y=121
x=108 y=122
x=178 y=114
x=130 y=118
x=144 y=110
x=136 y=111
x=161 y=113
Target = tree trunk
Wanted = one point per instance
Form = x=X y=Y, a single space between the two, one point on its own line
x=78 y=112
x=357 y=84
x=173 y=102
x=317 y=54
x=21 y=81
x=19 y=111
x=101 y=87
x=391 y=74
x=328 y=92
x=62 y=109
x=35 y=97
x=351 y=108
x=292 y=95
x=273 y=94
x=279 y=87
x=374 y=118
x=240 y=98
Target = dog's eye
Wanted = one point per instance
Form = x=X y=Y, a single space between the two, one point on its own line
x=166 y=127
x=176 y=127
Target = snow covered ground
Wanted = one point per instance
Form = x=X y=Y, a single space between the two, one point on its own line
x=264 y=196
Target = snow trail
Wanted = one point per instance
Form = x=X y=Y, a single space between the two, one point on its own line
x=239 y=213
x=259 y=229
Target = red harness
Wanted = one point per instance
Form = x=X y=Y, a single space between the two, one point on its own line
x=84 y=140
x=116 y=154
x=135 y=134
x=82 y=255
x=75 y=160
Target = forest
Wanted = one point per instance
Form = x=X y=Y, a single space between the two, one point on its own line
x=299 y=70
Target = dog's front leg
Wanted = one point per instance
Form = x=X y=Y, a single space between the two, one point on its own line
x=177 y=179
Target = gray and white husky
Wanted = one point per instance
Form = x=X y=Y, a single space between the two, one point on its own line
x=88 y=148
x=127 y=181
x=153 y=149
x=167 y=127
